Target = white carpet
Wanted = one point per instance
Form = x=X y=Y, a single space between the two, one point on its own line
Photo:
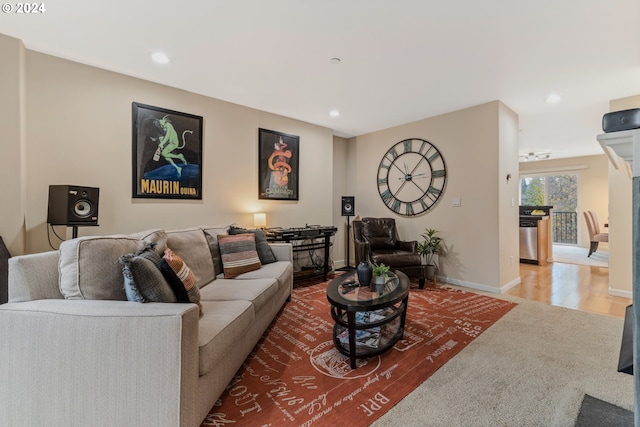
x=531 y=368
x=578 y=255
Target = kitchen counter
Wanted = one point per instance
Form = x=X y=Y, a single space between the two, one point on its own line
x=535 y=231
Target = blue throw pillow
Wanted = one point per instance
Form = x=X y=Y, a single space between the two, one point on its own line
x=143 y=280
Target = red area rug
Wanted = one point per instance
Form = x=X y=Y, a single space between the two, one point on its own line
x=296 y=377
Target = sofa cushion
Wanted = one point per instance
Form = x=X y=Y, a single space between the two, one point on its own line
x=259 y=292
x=143 y=281
x=191 y=245
x=88 y=266
x=212 y=233
x=282 y=271
x=238 y=253
x=221 y=325
x=180 y=277
x=156 y=236
x=262 y=246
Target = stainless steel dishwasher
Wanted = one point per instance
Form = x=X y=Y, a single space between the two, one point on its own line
x=529 y=240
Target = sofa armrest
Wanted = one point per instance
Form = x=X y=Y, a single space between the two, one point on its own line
x=98 y=363
x=282 y=251
x=34 y=277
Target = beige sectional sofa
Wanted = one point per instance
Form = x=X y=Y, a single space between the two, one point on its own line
x=74 y=352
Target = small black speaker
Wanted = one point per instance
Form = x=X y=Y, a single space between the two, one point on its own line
x=348 y=205
x=73 y=205
x=621 y=120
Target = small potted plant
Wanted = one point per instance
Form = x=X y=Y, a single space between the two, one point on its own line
x=380 y=273
x=430 y=246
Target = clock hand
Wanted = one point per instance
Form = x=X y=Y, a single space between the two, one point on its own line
x=410 y=177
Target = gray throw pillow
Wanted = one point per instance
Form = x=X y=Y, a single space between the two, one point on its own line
x=214 y=248
x=143 y=280
x=262 y=246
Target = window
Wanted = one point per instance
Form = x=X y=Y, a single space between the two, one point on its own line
x=559 y=191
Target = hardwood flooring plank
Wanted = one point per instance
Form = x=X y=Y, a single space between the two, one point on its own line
x=574 y=286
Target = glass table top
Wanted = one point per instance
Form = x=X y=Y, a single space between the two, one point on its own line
x=351 y=290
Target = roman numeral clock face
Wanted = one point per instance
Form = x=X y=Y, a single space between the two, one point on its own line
x=411 y=177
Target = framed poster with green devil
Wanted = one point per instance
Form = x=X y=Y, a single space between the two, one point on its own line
x=278 y=165
x=167 y=153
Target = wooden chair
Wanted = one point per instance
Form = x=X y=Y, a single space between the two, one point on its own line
x=595 y=236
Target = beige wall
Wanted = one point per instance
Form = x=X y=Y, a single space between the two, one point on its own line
x=78 y=131
x=12 y=121
x=593 y=186
x=508 y=212
x=340 y=188
x=481 y=235
x=620 y=215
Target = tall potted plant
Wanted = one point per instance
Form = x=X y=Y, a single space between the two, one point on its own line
x=430 y=246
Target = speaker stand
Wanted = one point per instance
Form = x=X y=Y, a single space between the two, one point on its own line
x=348 y=266
x=74 y=229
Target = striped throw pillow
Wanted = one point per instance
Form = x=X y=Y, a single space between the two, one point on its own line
x=181 y=278
x=238 y=253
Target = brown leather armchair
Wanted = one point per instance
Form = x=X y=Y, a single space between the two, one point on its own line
x=376 y=241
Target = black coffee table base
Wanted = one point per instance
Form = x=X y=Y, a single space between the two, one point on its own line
x=369 y=327
x=390 y=332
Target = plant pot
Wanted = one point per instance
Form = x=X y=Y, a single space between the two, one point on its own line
x=429 y=271
x=380 y=280
x=377 y=281
x=364 y=272
x=378 y=284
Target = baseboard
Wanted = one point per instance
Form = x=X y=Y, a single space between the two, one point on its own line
x=512 y=284
x=340 y=265
x=471 y=285
x=620 y=293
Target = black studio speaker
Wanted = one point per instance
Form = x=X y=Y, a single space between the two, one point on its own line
x=73 y=205
x=348 y=205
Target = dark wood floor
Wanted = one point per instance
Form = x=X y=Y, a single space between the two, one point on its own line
x=570 y=285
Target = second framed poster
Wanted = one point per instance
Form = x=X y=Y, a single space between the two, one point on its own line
x=279 y=168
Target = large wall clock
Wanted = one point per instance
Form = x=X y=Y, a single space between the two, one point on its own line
x=411 y=177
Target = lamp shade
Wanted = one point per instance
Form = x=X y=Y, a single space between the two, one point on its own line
x=259 y=219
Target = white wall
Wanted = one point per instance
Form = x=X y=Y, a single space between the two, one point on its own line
x=621 y=219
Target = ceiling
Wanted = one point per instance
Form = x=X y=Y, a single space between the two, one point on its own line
x=400 y=61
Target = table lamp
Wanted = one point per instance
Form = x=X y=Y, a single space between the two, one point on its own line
x=260 y=220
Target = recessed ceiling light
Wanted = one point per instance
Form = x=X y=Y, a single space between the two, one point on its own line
x=335 y=61
x=553 y=98
x=160 y=57
x=334 y=113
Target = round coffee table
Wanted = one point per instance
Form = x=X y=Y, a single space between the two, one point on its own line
x=367 y=322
